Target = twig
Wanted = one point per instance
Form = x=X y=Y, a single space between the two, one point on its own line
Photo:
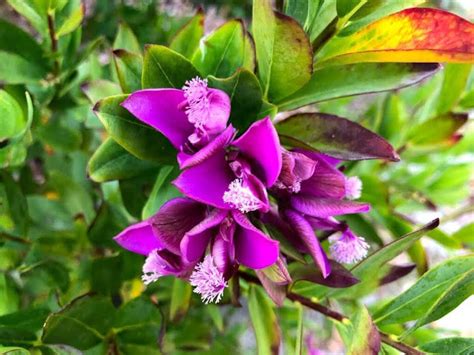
x=336 y=315
x=54 y=42
x=14 y=238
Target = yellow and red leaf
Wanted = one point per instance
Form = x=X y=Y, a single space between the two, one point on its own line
x=412 y=35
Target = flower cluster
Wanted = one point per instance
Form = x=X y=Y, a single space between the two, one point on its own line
x=226 y=181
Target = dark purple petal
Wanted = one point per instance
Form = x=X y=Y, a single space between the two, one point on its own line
x=296 y=167
x=195 y=241
x=326 y=224
x=159 y=108
x=340 y=277
x=319 y=156
x=261 y=144
x=218 y=143
x=174 y=219
x=207 y=182
x=306 y=233
x=326 y=181
x=253 y=249
x=326 y=207
x=138 y=238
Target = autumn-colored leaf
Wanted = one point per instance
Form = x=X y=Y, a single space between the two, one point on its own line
x=412 y=35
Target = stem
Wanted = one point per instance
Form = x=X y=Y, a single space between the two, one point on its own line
x=14 y=238
x=335 y=315
x=54 y=42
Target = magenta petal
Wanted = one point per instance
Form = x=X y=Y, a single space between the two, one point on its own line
x=306 y=233
x=253 y=249
x=319 y=156
x=187 y=161
x=207 y=182
x=326 y=181
x=196 y=240
x=326 y=207
x=174 y=219
x=159 y=109
x=138 y=238
x=219 y=111
x=261 y=144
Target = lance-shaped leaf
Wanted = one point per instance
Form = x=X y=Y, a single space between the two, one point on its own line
x=284 y=52
x=164 y=68
x=112 y=162
x=335 y=136
x=435 y=294
x=129 y=70
x=186 y=40
x=339 y=277
x=412 y=35
x=397 y=272
x=356 y=79
x=264 y=321
x=126 y=39
x=225 y=50
x=245 y=94
x=455 y=345
x=180 y=299
x=438 y=131
x=365 y=336
x=141 y=140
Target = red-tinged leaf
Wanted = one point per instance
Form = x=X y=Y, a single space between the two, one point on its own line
x=339 y=277
x=365 y=336
x=335 y=136
x=276 y=291
x=397 y=272
x=412 y=35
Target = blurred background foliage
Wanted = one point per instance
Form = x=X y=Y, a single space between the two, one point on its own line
x=56 y=224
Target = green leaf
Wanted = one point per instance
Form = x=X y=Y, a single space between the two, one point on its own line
x=82 y=324
x=99 y=89
x=335 y=136
x=186 y=40
x=465 y=235
x=264 y=322
x=112 y=162
x=27 y=319
x=28 y=10
x=345 y=7
x=454 y=82
x=72 y=22
x=126 y=39
x=162 y=191
x=365 y=336
x=455 y=345
x=129 y=70
x=13 y=205
x=245 y=93
x=434 y=295
x=164 y=68
x=356 y=79
x=180 y=299
x=225 y=50
x=284 y=54
x=108 y=222
x=139 y=139
x=300 y=328
x=438 y=131
x=9 y=298
x=12 y=119
x=106 y=275
x=13 y=350
x=15 y=69
x=303 y=11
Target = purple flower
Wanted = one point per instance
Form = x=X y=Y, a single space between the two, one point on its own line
x=310 y=192
x=184 y=232
x=234 y=173
x=190 y=118
x=348 y=248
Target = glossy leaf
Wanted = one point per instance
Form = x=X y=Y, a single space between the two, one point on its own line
x=180 y=299
x=89 y=318
x=245 y=93
x=112 y=162
x=164 y=68
x=186 y=40
x=365 y=336
x=335 y=136
x=264 y=322
x=12 y=119
x=455 y=345
x=129 y=70
x=356 y=79
x=225 y=50
x=141 y=140
x=283 y=50
x=408 y=36
x=435 y=294
x=126 y=40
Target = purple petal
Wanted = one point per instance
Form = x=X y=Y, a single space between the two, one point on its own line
x=187 y=161
x=195 y=241
x=159 y=108
x=219 y=111
x=207 y=182
x=222 y=254
x=138 y=238
x=261 y=144
x=253 y=249
x=259 y=191
x=306 y=233
x=326 y=207
x=326 y=181
x=174 y=219
x=319 y=156
x=326 y=224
